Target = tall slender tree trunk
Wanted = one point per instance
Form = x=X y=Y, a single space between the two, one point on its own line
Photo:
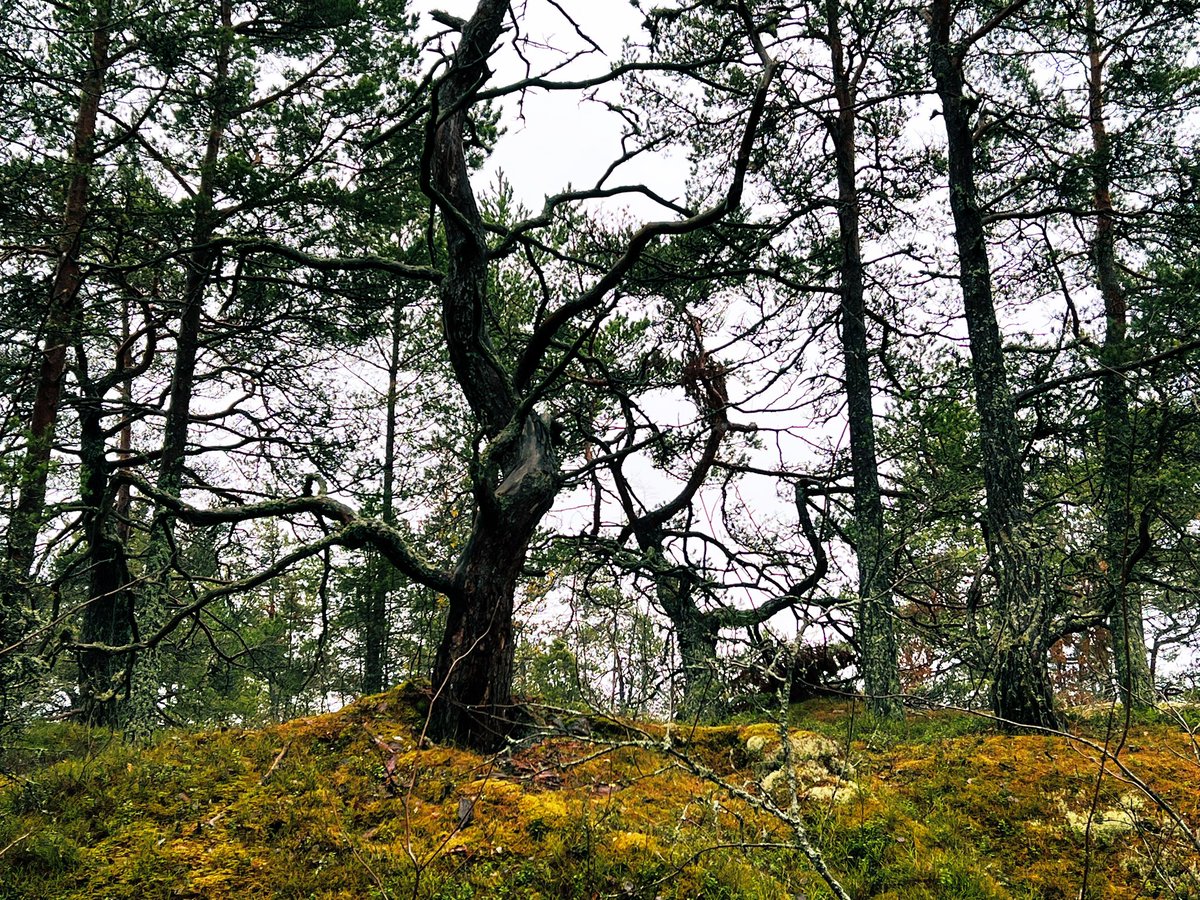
x=374 y=611
x=125 y=441
x=878 y=656
x=61 y=326
x=1020 y=677
x=1122 y=605
x=153 y=607
x=18 y=599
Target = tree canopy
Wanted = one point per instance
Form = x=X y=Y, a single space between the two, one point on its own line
x=887 y=386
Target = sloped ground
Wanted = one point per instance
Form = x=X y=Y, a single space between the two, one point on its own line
x=347 y=806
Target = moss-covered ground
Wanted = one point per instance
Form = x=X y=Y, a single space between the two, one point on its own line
x=347 y=805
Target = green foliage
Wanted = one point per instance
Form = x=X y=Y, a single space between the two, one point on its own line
x=550 y=672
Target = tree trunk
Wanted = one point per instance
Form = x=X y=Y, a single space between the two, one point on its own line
x=61 y=325
x=516 y=478
x=1122 y=605
x=155 y=599
x=1021 y=680
x=878 y=656
x=108 y=615
x=1021 y=686
x=18 y=598
x=374 y=610
x=697 y=640
x=472 y=673
x=695 y=633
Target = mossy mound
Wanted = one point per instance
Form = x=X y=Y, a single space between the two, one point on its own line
x=355 y=805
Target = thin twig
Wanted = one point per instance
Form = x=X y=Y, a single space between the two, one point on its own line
x=14 y=843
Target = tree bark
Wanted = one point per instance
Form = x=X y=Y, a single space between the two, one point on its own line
x=1122 y=605
x=108 y=615
x=878 y=656
x=472 y=672
x=62 y=324
x=153 y=606
x=1020 y=677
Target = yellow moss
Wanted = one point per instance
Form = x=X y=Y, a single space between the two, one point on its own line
x=768 y=731
x=633 y=842
x=935 y=817
x=544 y=810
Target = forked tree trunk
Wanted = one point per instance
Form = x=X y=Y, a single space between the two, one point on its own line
x=108 y=616
x=516 y=479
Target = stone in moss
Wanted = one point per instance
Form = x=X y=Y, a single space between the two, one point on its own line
x=1107 y=823
x=756 y=744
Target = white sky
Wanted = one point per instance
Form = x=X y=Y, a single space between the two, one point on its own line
x=561 y=141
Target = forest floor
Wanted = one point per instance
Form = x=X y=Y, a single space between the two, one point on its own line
x=354 y=804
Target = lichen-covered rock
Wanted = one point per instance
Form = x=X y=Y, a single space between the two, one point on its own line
x=755 y=745
x=818 y=768
x=1107 y=823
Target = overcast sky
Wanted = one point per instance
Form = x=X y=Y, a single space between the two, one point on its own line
x=558 y=140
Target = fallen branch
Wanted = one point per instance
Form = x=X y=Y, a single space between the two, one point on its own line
x=274 y=765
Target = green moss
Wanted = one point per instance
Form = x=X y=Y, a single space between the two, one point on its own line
x=346 y=805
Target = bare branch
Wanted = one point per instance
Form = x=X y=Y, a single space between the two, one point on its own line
x=356 y=532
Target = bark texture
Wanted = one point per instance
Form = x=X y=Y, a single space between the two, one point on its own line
x=1020 y=624
x=1122 y=604
x=878 y=657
